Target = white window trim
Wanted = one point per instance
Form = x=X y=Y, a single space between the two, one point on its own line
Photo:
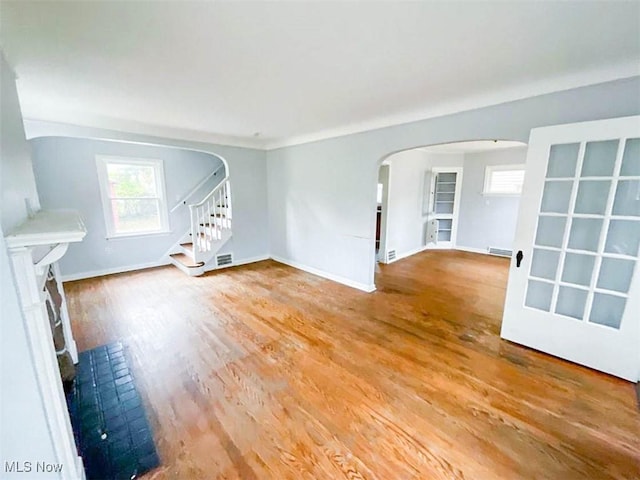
x=489 y=169
x=103 y=181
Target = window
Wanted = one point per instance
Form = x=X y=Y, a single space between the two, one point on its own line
x=503 y=180
x=133 y=196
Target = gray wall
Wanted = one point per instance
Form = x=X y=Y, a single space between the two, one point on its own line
x=247 y=172
x=66 y=175
x=25 y=434
x=322 y=195
x=487 y=220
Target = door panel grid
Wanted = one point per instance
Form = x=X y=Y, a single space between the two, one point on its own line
x=588 y=231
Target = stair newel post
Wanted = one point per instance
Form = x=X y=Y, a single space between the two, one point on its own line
x=220 y=208
x=216 y=207
x=216 y=210
x=228 y=202
x=203 y=228
x=223 y=201
x=209 y=218
x=194 y=231
x=198 y=230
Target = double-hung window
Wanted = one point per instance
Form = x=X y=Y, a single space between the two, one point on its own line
x=503 y=179
x=133 y=196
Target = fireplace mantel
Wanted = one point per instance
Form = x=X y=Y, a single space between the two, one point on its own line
x=34 y=248
x=48 y=227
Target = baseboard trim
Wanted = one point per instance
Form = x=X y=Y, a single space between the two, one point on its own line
x=410 y=253
x=314 y=271
x=321 y=273
x=245 y=261
x=112 y=271
x=471 y=250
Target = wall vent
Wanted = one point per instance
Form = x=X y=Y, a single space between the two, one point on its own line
x=500 y=252
x=391 y=256
x=224 y=259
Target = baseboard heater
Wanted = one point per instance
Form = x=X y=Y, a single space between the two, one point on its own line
x=500 y=252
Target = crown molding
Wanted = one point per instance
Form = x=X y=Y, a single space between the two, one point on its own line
x=533 y=89
x=57 y=126
x=561 y=83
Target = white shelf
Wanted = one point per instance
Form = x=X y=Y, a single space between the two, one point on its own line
x=48 y=227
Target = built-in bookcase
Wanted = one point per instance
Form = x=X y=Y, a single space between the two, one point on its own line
x=445 y=196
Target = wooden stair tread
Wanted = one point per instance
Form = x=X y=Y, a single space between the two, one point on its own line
x=187 y=246
x=186 y=260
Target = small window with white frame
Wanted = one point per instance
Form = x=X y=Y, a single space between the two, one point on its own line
x=133 y=196
x=503 y=179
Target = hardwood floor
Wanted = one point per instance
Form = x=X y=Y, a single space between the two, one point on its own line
x=267 y=372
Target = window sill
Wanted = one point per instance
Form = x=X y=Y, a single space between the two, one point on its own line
x=124 y=236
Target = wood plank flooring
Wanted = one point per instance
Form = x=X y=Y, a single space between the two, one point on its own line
x=267 y=372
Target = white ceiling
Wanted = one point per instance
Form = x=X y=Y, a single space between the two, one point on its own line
x=300 y=71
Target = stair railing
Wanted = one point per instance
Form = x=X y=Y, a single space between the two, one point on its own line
x=195 y=189
x=209 y=219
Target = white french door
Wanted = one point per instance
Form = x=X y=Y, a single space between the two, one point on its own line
x=574 y=286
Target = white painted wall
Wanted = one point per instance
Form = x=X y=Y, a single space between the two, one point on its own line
x=247 y=172
x=322 y=195
x=24 y=434
x=487 y=220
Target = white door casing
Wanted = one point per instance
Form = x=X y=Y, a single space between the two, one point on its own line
x=576 y=294
x=445 y=190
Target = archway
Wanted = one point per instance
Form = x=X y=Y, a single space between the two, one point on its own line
x=431 y=189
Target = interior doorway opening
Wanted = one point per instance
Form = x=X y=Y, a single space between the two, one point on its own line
x=382 y=211
x=462 y=196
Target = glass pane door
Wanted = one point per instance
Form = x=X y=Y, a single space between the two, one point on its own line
x=588 y=232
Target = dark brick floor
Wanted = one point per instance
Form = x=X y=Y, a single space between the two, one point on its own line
x=108 y=418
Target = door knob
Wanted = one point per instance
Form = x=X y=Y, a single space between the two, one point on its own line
x=519 y=257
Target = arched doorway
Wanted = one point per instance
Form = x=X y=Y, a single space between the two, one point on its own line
x=461 y=195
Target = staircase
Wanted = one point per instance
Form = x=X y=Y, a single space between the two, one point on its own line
x=210 y=230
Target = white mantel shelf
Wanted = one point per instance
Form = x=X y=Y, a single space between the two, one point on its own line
x=48 y=227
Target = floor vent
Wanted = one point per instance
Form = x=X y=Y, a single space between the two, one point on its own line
x=391 y=256
x=224 y=259
x=500 y=252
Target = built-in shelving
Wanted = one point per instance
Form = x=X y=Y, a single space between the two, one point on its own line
x=445 y=187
